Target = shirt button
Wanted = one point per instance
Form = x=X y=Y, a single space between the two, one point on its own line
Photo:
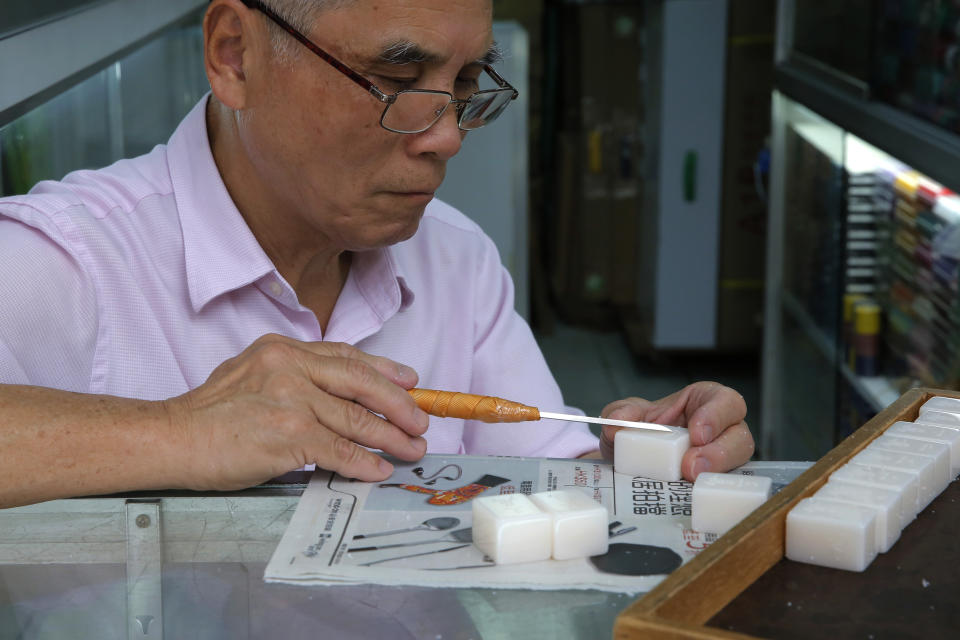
x=276 y=288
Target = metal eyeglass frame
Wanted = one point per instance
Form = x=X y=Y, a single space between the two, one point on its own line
x=386 y=98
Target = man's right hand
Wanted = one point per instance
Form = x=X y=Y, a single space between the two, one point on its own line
x=282 y=404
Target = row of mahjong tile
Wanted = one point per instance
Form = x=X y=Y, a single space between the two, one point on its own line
x=878 y=492
x=570 y=524
x=718 y=500
x=561 y=524
x=867 y=502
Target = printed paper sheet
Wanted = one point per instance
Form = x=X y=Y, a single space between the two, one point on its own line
x=415 y=528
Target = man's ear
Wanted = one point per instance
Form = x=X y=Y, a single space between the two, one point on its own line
x=232 y=36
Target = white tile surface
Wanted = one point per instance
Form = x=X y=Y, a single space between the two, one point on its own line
x=721 y=500
x=831 y=534
x=934 y=433
x=900 y=481
x=942 y=418
x=937 y=452
x=651 y=454
x=919 y=466
x=580 y=523
x=510 y=528
x=941 y=403
x=886 y=504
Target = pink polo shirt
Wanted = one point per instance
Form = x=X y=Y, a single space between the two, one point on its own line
x=137 y=280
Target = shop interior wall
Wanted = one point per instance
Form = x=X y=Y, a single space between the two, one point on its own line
x=587 y=162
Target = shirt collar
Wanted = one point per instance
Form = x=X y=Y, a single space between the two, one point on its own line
x=221 y=252
x=379 y=275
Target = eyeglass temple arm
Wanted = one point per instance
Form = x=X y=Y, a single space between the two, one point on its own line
x=333 y=62
x=500 y=81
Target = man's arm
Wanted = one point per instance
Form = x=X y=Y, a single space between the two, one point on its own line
x=58 y=443
x=277 y=406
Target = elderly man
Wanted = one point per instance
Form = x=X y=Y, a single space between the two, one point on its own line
x=259 y=294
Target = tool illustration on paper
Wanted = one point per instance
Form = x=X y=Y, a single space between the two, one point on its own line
x=459 y=535
x=432 y=478
x=431 y=524
x=452 y=496
x=415 y=555
x=451 y=404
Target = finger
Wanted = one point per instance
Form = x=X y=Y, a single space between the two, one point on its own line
x=399 y=374
x=714 y=408
x=350 y=460
x=668 y=410
x=729 y=450
x=357 y=381
x=341 y=393
x=636 y=409
x=348 y=375
x=395 y=372
x=628 y=409
x=607 y=434
x=352 y=421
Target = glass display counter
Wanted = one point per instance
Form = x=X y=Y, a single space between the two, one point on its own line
x=191 y=566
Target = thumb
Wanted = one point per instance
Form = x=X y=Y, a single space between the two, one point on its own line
x=636 y=409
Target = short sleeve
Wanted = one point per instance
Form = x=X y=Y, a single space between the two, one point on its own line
x=48 y=312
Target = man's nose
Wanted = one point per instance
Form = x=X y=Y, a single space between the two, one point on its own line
x=444 y=138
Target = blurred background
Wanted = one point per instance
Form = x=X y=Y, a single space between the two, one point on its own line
x=757 y=192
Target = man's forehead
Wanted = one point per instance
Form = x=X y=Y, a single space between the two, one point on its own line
x=423 y=31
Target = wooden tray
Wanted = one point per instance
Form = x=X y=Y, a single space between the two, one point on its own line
x=681 y=605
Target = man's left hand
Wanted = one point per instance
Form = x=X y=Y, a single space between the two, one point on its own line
x=720 y=439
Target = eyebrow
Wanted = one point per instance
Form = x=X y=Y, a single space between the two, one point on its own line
x=405 y=52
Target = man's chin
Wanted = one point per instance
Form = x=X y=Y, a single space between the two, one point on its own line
x=395 y=234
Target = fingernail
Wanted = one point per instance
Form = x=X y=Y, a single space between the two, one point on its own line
x=385 y=467
x=701 y=465
x=423 y=419
x=406 y=373
x=419 y=446
x=706 y=431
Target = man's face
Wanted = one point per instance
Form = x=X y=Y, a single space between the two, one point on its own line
x=314 y=137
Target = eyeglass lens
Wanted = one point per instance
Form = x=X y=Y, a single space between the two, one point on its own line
x=415 y=111
x=484 y=108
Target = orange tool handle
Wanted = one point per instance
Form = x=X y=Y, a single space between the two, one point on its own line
x=451 y=404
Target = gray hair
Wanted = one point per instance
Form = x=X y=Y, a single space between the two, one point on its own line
x=301 y=14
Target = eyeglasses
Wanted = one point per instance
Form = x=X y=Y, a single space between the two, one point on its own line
x=414 y=110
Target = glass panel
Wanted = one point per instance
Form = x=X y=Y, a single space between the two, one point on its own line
x=159 y=84
x=813 y=218
x=17 y=16
x=63 y=574
x=809 y=388
x=121 y=111
x=803 y=418
x=918 y=258
x=917 y=65
x=71 y=131
x=869 y=303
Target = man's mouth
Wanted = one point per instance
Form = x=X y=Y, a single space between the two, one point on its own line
x=412 y=193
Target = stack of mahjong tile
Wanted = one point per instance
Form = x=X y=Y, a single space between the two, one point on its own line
x=562 y=525
x=867 y=502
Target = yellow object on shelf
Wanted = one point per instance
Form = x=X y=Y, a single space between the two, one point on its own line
x=906 y=183
x=867 y=318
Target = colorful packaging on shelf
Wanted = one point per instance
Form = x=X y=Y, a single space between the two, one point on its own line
x=866 y=337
